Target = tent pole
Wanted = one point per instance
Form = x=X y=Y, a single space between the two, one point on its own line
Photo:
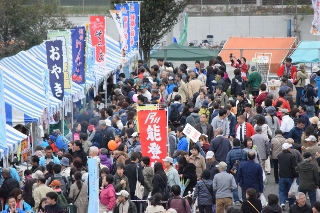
x=62 y=118
x=71 y=113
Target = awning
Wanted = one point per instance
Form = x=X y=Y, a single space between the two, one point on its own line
x=177 y=52
x=278 y=47
x=15 y=116
x=306 y=52
x=14 y=137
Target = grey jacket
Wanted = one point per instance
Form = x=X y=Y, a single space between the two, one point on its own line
x=173 y=142
x=224 y=184
x=173 y=177
x=224 y=124
x=148 y=174
x=117 y=186
x=59 y=178
x=263 y=144
x=204 y=192
x=193 y=119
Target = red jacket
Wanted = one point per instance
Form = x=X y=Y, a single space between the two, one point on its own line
x=261 y=98
x=281 y=71
x=108 y=197
x=249 y=130
x=242 y=67
x=285 y=103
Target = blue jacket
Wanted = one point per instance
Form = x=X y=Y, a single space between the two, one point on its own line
x=317 y=79
x=62 y=142
x=170 y=88
x=179 y=109
x=183 y=144
x=214 y=114
x=42 y=161
x=212 y=168
x=14 y=174
x=235 y=154
x=250 y=175
x=296 y=133
x=204 y=191
x=221 y=147
x=210 y=78
x=232 y=122
x=26 y=208
x=18 y=211
x=311 y=93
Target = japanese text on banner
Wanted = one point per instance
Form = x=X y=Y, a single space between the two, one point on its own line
x=134 y=25
x=78 y=51
x=55 y=67
x=97 y=31
x=125 y=44
x=64 y=36
x=153 y=134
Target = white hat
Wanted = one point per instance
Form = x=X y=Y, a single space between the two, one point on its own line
x=108 y=122
x=209 y=154
x=222 y=165
x=38 y=174
x=170 y=69
x=135 y=134
x=168 y=159
x=123 y=193
x=315 y=69
x=170 y=78
x=286 y=146
x=311 y=138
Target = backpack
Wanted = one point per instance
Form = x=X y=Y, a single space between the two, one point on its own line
x=116 y=131
x=183 y=202
x=313 y=76
x=304 y=95
x=61 y=200
x=226 y=84
x=236 y=164
x=174 y=115
x=114 y=166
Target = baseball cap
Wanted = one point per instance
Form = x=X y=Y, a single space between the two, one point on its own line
x=64 y=161
x=123 y=193
x=286 y=146
x=168 y=159
x=315 y=69
x=135 y=134
x=222 y=165
x=90 y=128
x=209 y=154
x=55 y=183
x=170 y=78
x=38 y=174
x=311 y=138
x=108 y=122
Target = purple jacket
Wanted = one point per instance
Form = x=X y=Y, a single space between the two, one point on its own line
x=104 y=160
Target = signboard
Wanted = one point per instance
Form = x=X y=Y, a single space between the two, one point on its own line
x=64 y=36
x=153 y=134
x=97 y=31
x=93 y=185
x=78 y=51
x=55 y=67
x=191 y=133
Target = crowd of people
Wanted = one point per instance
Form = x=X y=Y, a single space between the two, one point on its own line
x=245 y=132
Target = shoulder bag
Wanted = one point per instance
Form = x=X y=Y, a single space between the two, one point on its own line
x=253 y=206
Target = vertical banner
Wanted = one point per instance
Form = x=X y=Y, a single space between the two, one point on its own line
x=55 y=66
x=97 y=31
x=3 y=136
x=118 y=20
x=125 y=44
x=153 y=134
x=78 y=51
x=315 y=26
x=184 y=34
x=134 y=11
x=64 y=36
x=94 y=185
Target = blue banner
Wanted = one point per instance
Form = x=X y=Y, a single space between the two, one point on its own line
x=93 y=185
x=55 y=67
x=124 y=8
x=3 y=136
x=78 y=51
x=134 y=9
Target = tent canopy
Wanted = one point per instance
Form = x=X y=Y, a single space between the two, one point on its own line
x=176 y=52
x=306 y=52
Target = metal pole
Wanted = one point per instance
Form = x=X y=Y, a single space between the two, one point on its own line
x=201 y=8
x=241 y=7
x=241 y=53
x=62 y=121
x=83 y=6
x=282 y=6
x=165 y=54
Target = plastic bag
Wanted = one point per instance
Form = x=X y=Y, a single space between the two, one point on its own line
x=294 y=189
x=318 y=195
x=263 y=176
x=263 y=200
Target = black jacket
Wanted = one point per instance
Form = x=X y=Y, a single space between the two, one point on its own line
x=107 y=135
x=132 y=208
x=247 y=208
x=287 y=165
x=7 y=186
x=272 y=209
x=158 y=184
x=27 y=191
x=237 y=85
x=240 y=106
x=311 y=93
x=82 y=155
x=296 y=209
x=209 y=130
x=131 y=173
x=189 y=172
x=308 y=175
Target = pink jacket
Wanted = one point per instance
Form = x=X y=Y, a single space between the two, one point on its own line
x=108 y=197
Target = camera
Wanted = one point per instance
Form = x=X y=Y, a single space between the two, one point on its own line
x=231 y=55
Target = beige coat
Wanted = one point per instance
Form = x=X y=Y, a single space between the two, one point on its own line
x=82 y=201
x=39 y=193
x=303 y=76
x=199 y=162
x=121 y=157
x=183 y=91
x=193 y=87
